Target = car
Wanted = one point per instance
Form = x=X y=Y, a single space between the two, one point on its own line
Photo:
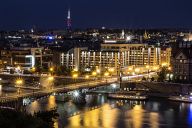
x=44 y=74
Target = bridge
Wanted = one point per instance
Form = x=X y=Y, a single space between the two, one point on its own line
x=59 y=89
x=38 y=93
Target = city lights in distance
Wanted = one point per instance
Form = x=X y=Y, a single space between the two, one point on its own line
x=128 y=38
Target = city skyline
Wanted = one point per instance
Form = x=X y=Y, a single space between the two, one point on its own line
x=86 y=14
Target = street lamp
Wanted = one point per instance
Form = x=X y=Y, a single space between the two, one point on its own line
x=33 y=69
x=147 y=67
x=114 y=86
x=164 y=64
x=19 y=83
x=106 y=74
x=94 y=74
x=111 y=70
x=51 y=70
x=169 y=68
x=155 y=68
x=74 y=76
x=18 y=67
x=0 y=90
x=130 y=69
x=137 y=70
x=50 y=80
x=87 y=77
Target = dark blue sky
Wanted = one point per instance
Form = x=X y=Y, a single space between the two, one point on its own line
x=23 y=14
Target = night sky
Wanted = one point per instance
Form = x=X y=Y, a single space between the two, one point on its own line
x=46 y=14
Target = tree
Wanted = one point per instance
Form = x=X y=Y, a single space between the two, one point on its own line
x=62 y=70
x=162 y=74
x=12 y=71
x=152 y=79
x=144 y=79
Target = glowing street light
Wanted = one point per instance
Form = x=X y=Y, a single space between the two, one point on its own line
x=130 y=69
x=137 y=70
x=106 y=74
x=164 y=64
x=111 y=70
x=50 y=78
x=33 y=69
x=18 y=68
x=155 y=68
x=75 y=75
x=87 y=77
x=0 y=90
x=76 y=94
x=114 y=86
x=94 y=73
x=169 y=68
x=51 y=69
x=98 y=71
x=50 y=81
x=19 y=82
x=148 y=71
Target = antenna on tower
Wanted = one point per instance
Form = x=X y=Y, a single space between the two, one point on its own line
x=69 y=20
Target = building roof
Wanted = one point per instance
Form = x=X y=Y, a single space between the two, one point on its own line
x=186 y=51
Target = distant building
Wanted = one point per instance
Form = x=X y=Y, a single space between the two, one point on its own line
x=182 y=62
x=26 y=57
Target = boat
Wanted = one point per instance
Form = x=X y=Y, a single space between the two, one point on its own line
x=127 y=97
x=187 y=99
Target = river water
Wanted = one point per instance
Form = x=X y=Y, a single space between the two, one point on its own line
x=100 y=112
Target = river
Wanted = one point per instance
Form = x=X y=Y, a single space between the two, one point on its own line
x=100 y=112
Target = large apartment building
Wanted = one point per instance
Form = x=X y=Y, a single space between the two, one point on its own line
x=114 y=55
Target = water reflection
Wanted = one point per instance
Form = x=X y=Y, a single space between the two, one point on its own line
x=190 y=116
x=154 y=119
x=109 y=116
x=99 y=112
x=42 y=105
x=51 y=102
x=137 y=116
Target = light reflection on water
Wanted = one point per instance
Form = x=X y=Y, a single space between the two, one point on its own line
x=99 y=112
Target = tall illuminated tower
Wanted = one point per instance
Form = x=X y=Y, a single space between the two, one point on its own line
x=69 y=20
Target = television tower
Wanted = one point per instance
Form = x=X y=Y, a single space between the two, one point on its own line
x=69 y=20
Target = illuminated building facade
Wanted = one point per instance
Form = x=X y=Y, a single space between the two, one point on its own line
x=112 y=55
x=26 y=57
x=166 y=56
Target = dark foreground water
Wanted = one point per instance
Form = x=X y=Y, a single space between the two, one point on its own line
x=100 y=112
